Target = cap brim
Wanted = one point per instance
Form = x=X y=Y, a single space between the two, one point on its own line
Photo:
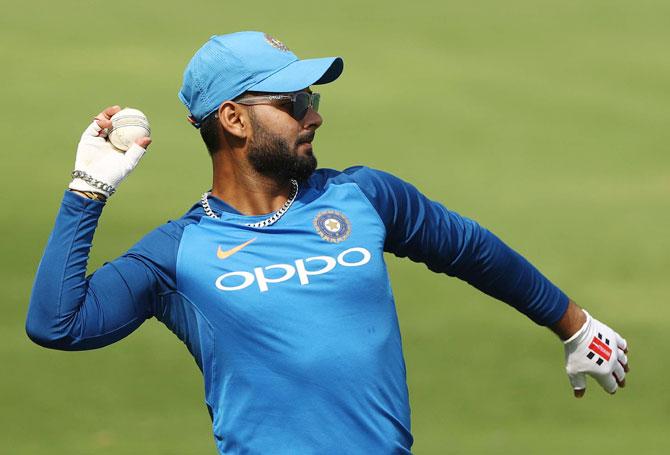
x=301 y=74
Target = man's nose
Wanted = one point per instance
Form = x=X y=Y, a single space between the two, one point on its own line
x=312 y=119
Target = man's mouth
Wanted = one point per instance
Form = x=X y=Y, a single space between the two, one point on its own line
x=306 y=139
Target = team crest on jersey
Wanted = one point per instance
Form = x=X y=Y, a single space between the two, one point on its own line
x=274 y=42
x=332 y=226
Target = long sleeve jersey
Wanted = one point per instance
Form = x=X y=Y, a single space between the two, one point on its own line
x=293 y=325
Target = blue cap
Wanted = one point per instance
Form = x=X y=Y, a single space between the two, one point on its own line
x=226 y=66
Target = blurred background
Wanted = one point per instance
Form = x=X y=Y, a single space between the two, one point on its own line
x=545 y=120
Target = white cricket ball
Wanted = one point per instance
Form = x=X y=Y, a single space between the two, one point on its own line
x=128 y=125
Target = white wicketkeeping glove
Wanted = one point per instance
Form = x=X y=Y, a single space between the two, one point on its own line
x=98 y=158
x=598 y=351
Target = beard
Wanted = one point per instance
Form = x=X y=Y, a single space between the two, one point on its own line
x=272 y=156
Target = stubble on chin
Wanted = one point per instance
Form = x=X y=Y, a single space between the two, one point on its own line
x=272 y=157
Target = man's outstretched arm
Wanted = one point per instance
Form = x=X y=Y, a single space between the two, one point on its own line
x=427 y=232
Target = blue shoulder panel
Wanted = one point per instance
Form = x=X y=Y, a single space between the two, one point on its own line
x=427 y=232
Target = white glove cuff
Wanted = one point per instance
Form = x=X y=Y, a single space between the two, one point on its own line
x=581 y=330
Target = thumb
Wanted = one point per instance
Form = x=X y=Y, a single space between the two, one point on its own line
x=143 y=142
x=136 y=151
x=578 y=383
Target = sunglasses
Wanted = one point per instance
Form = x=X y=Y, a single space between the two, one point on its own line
x=301 y=102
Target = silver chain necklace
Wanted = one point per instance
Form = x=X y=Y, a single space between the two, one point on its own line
x=261 y=224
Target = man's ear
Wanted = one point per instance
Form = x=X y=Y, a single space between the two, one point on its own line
x=234 y=119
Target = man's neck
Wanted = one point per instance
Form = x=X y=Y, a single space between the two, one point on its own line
x=249 y=192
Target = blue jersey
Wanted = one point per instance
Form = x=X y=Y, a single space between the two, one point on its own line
x=293 y=325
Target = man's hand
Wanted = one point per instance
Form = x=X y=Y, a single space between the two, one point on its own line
x=596 y=350
x=100 y=161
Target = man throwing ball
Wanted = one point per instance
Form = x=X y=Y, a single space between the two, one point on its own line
x=275 y=279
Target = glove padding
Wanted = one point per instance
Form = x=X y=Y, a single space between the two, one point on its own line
x=97 y=157
x=598 y=351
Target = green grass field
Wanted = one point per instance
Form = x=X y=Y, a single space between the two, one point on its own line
x=547 y=121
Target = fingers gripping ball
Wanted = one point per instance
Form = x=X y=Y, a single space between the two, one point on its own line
x=99 y=166
x=128 y=125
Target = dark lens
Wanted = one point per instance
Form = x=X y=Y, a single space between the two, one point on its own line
x=300 y=105
x=316 y=97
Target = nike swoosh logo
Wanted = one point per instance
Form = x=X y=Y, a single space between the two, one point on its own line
x=226 y=254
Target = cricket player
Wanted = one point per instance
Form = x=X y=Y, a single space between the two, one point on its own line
x=275 y=279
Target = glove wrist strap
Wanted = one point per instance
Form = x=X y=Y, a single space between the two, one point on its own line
x=581 y=330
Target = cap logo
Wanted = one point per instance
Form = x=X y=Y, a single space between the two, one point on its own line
x=274 y=42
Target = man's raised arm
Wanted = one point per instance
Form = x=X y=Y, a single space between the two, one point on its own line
x=68 y=310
